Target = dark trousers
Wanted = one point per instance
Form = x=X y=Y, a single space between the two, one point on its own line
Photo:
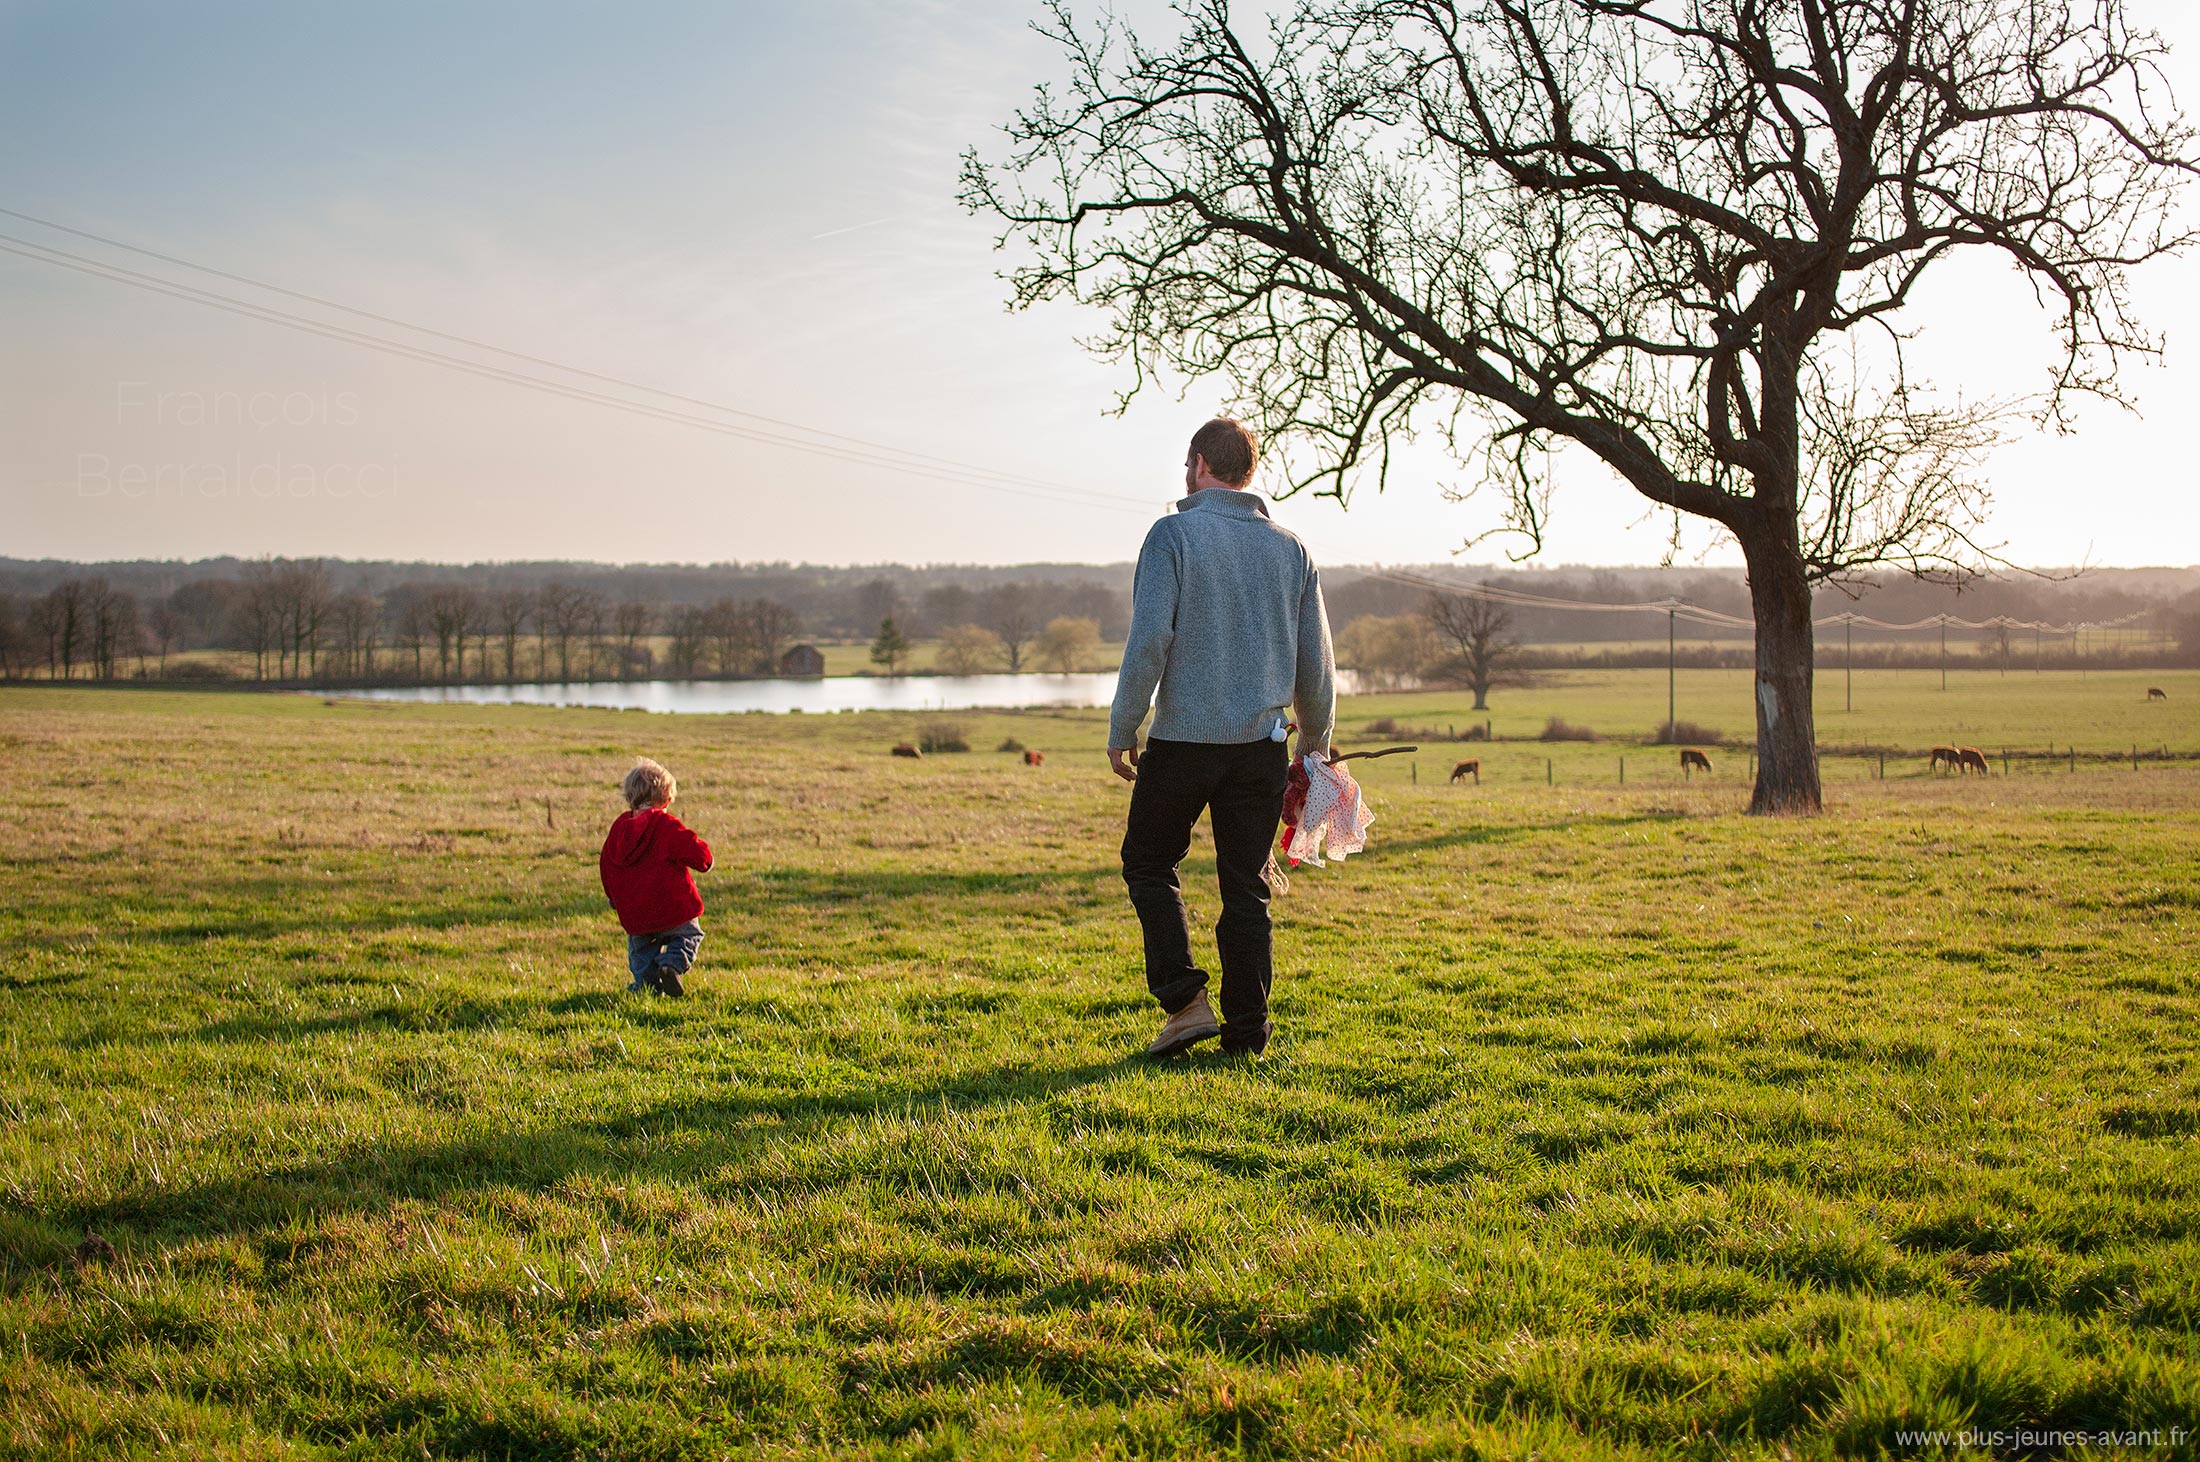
x=1241 y=787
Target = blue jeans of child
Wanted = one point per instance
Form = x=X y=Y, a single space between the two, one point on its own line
x=672 y=949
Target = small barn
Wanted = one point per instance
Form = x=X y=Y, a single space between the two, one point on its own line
x=802 y=660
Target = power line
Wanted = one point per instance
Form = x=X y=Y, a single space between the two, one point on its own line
x=468 y=340
x=833 y=445
x=1521 y=598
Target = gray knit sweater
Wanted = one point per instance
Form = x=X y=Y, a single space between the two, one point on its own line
x=1227 y=624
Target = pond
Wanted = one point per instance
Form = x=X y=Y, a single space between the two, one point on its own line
x=832 y=693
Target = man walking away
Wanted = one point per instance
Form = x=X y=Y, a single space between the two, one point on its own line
x=1227 y=637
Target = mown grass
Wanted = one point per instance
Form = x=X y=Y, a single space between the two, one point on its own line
x=1601 y=1121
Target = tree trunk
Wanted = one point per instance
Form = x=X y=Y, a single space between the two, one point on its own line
x=1481 y=695
x=1787 y=741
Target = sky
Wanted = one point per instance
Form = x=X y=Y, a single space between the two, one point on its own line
x=746 y=204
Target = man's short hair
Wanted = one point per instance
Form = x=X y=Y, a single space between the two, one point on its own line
x=649 y=785
x=1230 y=447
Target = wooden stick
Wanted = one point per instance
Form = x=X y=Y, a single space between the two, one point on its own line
x=1358 y=755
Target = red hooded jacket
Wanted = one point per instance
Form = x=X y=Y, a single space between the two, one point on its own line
x=645 y=863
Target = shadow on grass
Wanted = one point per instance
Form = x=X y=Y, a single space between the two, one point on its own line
x=40 y=982
x=1505 y=832
x=710 y=1135
x=264 y=907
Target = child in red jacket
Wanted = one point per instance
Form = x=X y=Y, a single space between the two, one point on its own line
x=645 y=862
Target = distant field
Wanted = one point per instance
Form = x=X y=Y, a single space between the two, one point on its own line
x=1602 y=1121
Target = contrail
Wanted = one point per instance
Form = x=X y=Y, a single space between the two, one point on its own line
x=851 y=228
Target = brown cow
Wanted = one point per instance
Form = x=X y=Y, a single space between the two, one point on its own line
x=1468 y=769
x=1948 y=754
x=1968 y=757
x=905 y=749
x=1693 y=758
x=1035 y=758
x=2156 y=693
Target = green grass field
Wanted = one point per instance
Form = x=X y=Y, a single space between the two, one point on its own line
x=1601 y=1121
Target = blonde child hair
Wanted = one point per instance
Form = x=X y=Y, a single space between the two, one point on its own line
x=649 y=785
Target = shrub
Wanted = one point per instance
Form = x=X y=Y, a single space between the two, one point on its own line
x=1678 y=733
x=1558 y=728
x=935 y=736
x=1011 y=744
x=199 y=670
x=1391 y=727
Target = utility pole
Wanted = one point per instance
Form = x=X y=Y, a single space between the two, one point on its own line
x=1944 y=652
x=1671 y=732
x=1848 y=662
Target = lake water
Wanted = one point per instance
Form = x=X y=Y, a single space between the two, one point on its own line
x=833 y=693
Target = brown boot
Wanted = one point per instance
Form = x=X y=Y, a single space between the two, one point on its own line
x=1187 y=1028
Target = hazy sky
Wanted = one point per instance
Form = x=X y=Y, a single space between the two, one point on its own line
x=747 y=203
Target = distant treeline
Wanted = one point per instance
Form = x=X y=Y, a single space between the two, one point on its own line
x=316 y=621
x=329 y=620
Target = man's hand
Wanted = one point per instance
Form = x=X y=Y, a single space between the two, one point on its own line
x=1124 y=759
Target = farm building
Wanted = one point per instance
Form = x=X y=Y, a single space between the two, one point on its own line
x=802 y=660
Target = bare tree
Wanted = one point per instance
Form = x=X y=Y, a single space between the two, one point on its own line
x=1388 y=650
x=730 y=630
x=451 y=611
x=593 y=613
x=413 y=629
x=509 y=609
x=166 y=626
x=772 y=626
x=1478 y=631
x=357 y=621
x=58 y=621
x=1999 y=641
x=302 y=597
x=112 y=623
x=968 y=649
x=1674 y=234
x=14 y=642
x=1068 y=641
x=1012 y=612
x=256 y=615
x=689 y=630
x=557 y=621
x=632 y=621
x=877 y=599
x=948 y=605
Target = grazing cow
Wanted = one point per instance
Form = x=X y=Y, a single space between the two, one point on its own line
x=1035 y=758
x=1468 y=769
x=1947 y=754
x=1693 y=758
x=2154 y=693
x=1970 y=757
x=905 y=749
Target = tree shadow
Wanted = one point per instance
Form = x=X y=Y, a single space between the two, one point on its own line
x=271 y=907
x=370 y=1177
x=1512 y=831
x=425 y=1016
x=41 y=982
